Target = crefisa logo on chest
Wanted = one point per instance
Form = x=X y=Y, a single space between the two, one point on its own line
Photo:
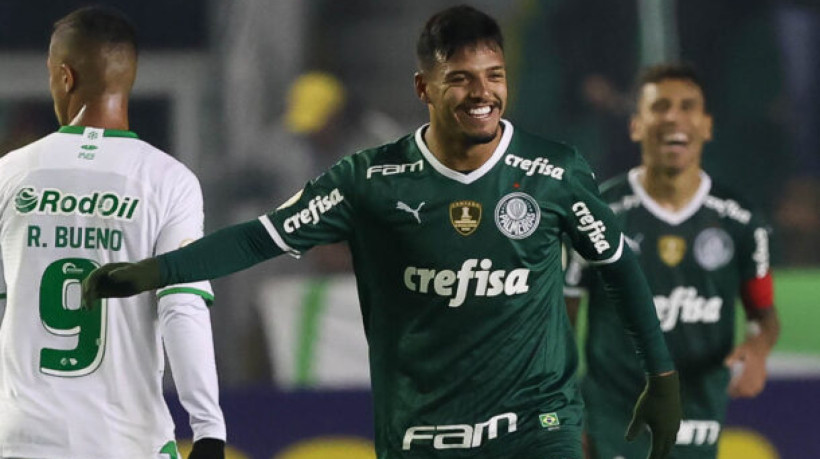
x=517 y=215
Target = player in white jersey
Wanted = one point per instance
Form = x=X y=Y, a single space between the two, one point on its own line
x=83 y=384
x=2 y=290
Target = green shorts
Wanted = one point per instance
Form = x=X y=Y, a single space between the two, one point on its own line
x=605 y=436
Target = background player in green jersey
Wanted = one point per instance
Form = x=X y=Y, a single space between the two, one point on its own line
x=455 y=232
x=700 y=247
x=80 y=384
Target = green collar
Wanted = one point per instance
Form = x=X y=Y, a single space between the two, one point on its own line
x=106 y=133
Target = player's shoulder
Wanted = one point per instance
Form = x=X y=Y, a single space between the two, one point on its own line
x=398 y=150
x=616 y=187
x=390 y=159
x=730 y=204
x=531 y=146
x=160 y=164
x=21 y=156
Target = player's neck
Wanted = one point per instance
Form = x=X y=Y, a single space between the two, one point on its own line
x=109 y=111
x=672 y=191
x=456 y=154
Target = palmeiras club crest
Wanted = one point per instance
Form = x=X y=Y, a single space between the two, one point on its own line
x=517 y=215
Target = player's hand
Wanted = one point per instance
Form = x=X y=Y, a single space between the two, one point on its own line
x=119 y=280
x=748 y=365
x=658 y=408
x=208 y=448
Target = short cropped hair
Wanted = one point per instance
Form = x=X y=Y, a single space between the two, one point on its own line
x=669 y=71
x=100 y=24
x=452 y=29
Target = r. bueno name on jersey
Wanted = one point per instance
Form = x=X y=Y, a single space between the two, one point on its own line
x=52 y=201
x=686 y=306
x=487 y=283
x=540 y=165
x=316 y=207
x=459 y=436
x=593 y=228
x=391 y=169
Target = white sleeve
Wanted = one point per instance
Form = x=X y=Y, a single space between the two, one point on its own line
x=183 y=225
x=2 y=289
x=185 y=321
x=185 y=324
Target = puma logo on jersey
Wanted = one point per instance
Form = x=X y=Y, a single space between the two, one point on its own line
x=459 y=436
x=52 y=201
x=313 y=213
x=684 y=305
x=402 y=206
x=487 y=283
x=634 y=243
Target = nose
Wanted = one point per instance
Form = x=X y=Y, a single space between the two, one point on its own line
x=673 y=114
x=479 y=88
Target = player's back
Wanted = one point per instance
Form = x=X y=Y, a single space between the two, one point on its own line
x=77 y=383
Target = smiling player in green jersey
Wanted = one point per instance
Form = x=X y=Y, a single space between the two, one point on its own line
x=456 y=232
x=78 y=384
x=700 y=247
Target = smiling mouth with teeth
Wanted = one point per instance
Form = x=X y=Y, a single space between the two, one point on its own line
x=480 y=111
x=676 y=139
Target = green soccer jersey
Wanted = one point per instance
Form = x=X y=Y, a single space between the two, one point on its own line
x=695 y=260
x=460 y=283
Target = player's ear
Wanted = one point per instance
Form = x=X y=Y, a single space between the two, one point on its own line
x=708 y=122
x=68 y=77
x=421 y=87
x=635 y=129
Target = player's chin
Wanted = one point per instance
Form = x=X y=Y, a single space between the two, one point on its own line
x=483 y=134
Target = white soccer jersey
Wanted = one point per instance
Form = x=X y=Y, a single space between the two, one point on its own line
x=2 y=290
x=82 y=384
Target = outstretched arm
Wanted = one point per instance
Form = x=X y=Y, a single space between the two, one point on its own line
x=221 y=253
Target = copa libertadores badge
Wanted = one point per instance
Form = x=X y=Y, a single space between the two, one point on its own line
x=517 y=215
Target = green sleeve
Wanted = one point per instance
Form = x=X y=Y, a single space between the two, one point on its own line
x=221 y=253
x=627 y=289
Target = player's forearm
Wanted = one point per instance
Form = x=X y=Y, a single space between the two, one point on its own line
x=221 y=253
x=186 y=330
x=763 y=330
x=626 y=287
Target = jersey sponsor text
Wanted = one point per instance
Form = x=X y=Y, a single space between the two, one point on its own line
x=487 y=283
x=531 y=166
x=57 y=202
x=698 y=432
x=316 y=207
x=459 y=436
x=593 y=228
x=686 y=306
x=392 y=169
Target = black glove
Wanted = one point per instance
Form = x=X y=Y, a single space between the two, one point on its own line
x=119 y=280
x=658 y=407
x=208 y=448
